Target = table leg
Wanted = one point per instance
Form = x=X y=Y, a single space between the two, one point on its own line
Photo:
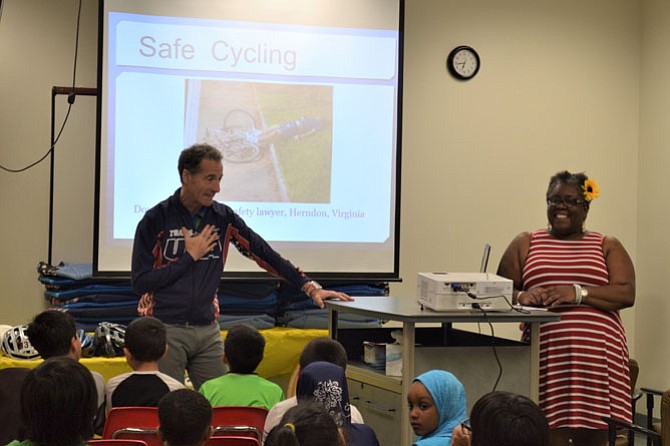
x=408 y=339
x=534 y=379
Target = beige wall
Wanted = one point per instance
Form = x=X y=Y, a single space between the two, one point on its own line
x=558 y=89
x=563 y=85
x=652 y=307
x=36 y=52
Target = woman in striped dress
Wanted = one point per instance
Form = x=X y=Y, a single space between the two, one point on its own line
x=587 y=278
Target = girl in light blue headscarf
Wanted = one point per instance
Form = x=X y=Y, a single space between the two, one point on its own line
x=437 y=405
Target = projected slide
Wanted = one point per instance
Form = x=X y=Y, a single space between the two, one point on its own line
x=304 y=115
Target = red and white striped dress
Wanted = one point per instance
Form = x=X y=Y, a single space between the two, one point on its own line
x=584 y=371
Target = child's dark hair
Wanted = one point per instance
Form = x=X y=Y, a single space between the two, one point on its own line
x=305 y=424
x=244 y=347
x=51 y=333
x=185 y=417
x=508 y=419
x=145 y=339
x=323 y=349
x=59 y=402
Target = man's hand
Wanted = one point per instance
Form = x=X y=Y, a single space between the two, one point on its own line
x=200 y=244
x=318 y=296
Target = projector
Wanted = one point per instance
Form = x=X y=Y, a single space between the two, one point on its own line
x=464 y=291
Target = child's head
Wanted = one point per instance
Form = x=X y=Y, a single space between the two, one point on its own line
x=243 y=348
x=323 y=349
x=54 y=333
x=58 y=402
x=326 y=383
x=436 y=402
x=423 y=415
x=145 y=340
x=185 y=418
x=508 y=419
x=305 y=424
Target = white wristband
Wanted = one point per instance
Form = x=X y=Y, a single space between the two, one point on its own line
x=311 y=287
x=578 y=293
x=518 y=295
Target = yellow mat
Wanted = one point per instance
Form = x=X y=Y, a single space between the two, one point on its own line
x=282 y=350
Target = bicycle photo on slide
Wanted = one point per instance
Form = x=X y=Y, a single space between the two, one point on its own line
x=276 y=139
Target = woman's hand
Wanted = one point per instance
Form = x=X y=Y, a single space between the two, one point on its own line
x=533 y=298
x=618 y=294
x=560 y=294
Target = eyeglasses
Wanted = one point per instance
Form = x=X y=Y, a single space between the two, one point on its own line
x=568 y=201
x=465 y=425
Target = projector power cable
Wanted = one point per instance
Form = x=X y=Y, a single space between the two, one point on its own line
x=493 y=345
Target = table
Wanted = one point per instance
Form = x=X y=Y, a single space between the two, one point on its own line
x=465 y=354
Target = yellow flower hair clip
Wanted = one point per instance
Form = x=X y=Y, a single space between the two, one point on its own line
x=590 y=190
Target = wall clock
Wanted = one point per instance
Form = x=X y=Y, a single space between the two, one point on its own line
x=463 y=62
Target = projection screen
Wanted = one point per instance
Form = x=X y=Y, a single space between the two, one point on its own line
x=302 y=97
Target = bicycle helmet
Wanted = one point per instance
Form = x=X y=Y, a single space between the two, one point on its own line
x=4 y=328
x=109 y=339
x=87 y=343
x=15 y=344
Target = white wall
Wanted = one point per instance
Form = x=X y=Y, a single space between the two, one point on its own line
x=563 y=85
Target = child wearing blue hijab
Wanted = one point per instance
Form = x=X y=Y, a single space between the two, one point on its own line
x=437 y=405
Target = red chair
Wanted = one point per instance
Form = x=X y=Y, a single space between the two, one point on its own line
x=239 y=421
x=116 y=442
x=232 y=441
x=133 y=423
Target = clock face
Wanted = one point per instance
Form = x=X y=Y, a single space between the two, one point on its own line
x=463 y=62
